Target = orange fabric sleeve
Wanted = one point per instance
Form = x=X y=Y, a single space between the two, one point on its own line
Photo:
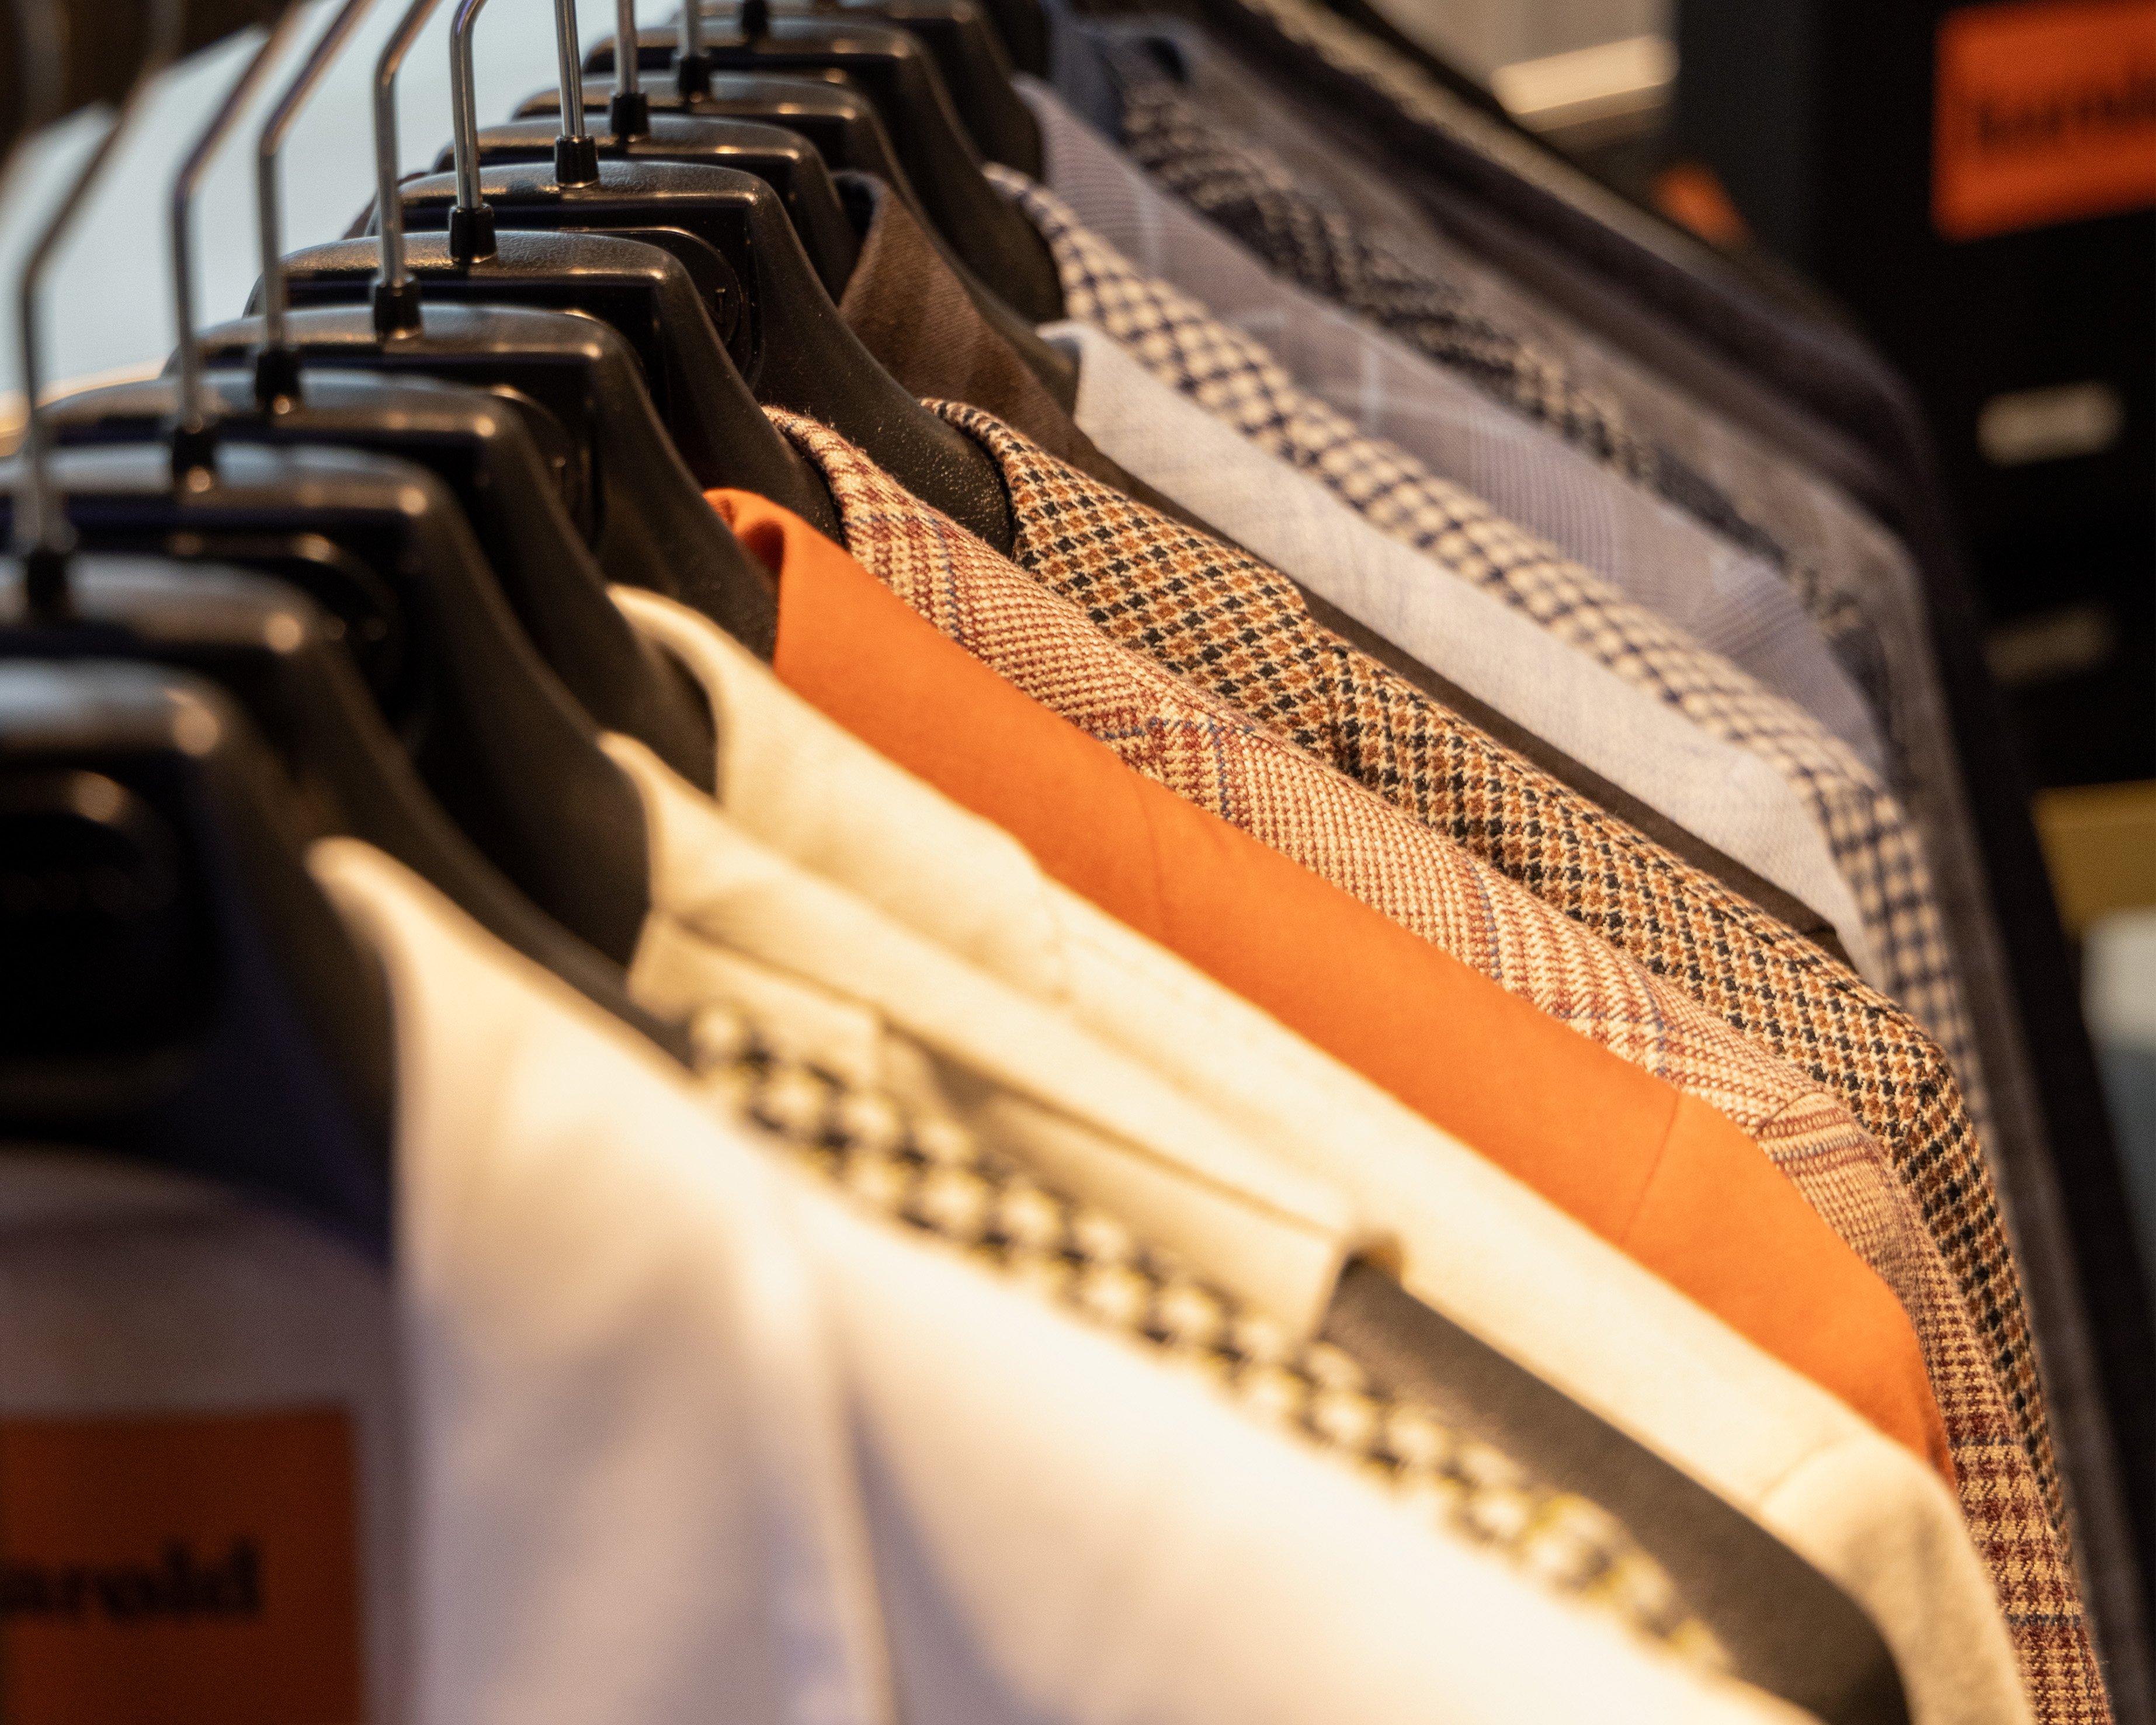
x=1668 y=1179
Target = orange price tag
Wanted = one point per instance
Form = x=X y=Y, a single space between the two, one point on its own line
x=2046 y=112
x=190 y=1569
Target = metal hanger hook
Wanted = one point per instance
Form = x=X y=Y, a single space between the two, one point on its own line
x=192 y=428
x=396 y=295
x=576 y=157
x=471 y=223
x=42 y=529
x=277 y=365
x=628 y=115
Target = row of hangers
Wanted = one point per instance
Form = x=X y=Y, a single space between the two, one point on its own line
x=342 y=568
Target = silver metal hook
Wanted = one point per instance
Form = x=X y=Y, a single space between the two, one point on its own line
x=471 y=223
x=576 y=157
x=193 y=411
x=276 y=368
x=42 y=529
x=692 y=71
x=396 y=295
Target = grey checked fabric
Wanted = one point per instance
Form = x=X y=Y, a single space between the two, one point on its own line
x=1725 y=598
x=1237 y=381
x=931 y=1175
x=1253 y=195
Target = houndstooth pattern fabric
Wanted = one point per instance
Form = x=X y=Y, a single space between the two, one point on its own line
x=1256 y=197
x=1210 y=751
x=932 y=1175
x=1875 y=845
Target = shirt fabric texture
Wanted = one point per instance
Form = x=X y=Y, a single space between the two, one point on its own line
x=1048 y=652
x=1732 y=799
x=1479 y=1246
x=902 y=286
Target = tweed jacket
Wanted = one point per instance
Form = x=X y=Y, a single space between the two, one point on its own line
x=1234 y=379
x=1498 y=666
x=1221 y=756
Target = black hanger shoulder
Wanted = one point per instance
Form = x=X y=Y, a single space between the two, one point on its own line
x=790 y=341
x=481 y=447
x=381 y=546
x=898 y=74
x=675 y=324
x=785 y=160
x=647 y=521
x=283 y=660
x=179 y=990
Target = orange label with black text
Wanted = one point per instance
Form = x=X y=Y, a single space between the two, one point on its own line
x=191 y=1570
x=2046 y=112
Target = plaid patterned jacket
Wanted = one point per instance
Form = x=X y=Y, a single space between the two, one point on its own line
x=1874 y=842
x=931 y=1175
x=1142 y=573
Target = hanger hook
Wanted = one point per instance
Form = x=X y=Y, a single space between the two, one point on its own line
x=576 y=157
x=396 y=295
x=191 y=426
x=472 y=221
x=42 y=528
x=277 y=365
x=692 y=66
x=628 y=114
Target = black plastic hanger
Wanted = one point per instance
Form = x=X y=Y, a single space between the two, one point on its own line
x=577 y=380
x=787 y=335
x=284 y=662
x=481 y=448
x=897 y=74
x=960 y=36
x=785 y=160
x=179 y=991
x=381 y=546
x=646 y=293
x=384 y=546
x=848 y=134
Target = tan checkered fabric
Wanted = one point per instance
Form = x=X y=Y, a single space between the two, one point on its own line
x=933 y=1176
x=1211 y=751
x=1875 y=845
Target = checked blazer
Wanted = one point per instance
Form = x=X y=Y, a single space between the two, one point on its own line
x=930 y=1174
x=1211 y=749
x=1874 y=842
